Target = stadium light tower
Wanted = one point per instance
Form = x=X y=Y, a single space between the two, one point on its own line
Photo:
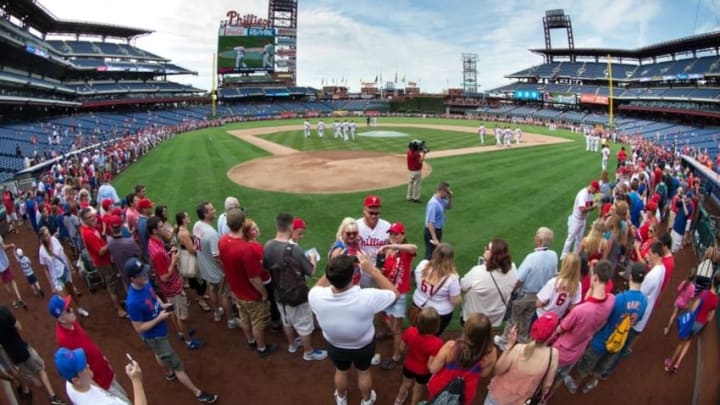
x=283 y=16
x=470 y=72
x=555 y=19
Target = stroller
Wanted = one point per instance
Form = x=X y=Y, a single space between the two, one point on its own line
x=88 y=271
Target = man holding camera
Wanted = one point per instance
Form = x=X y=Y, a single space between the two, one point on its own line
x=415 y=157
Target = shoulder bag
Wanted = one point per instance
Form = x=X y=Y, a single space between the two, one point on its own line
x=538 y=395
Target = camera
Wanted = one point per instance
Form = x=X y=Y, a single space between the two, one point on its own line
x=418 y=146
x=380 y=261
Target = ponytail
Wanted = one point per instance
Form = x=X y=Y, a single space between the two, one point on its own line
x=529 y=349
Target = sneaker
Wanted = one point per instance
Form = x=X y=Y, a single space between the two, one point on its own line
x=269 y=349
x=54 y=400
x=500 y=342
x=590 y=386
x=217 y=316
x=171 y=376
x=316 y=354
x=83 y=312
x=233 y=323
x=194 y=344
x=340 y=400
x=390 y=364
x=295 y=345
x=570 y=384
x=668 y=364
x=207 y=397
x=371 y=400
x=376 y=359
x=252 y=345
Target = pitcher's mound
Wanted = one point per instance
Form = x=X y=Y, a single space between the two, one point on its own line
x=324 y=172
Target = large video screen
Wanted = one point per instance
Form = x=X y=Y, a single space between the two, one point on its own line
x=246 y=50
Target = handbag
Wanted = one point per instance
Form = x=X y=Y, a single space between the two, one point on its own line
x=538 y=395
x=414 y=310
x=188 y=265
x=686 y=320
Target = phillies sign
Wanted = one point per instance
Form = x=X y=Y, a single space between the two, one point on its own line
x=247 y=20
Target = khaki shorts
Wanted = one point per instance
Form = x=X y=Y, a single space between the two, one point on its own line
x=300 y=318
x=182 y=306
x=31 y=367
x=254 y=313
x=222 y=289
x=164 y=351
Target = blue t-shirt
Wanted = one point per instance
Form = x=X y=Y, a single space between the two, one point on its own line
x=143 y=236
x=143 y=306
x=681 y=219
x=636 y=206
x=631 y=302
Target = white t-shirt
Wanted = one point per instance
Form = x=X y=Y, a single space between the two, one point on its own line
x=557 y=301
x=440 y=299
x=606 y=153
x=346 y=318
x=481 y=295
x=582 y=199
x=95 y=396
x=57 y=263
x=651 y=288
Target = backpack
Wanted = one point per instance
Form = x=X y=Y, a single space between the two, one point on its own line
x=618 y=337
x=452 y=394
x=288 y=280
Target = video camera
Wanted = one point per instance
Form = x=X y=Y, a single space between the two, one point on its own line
x=418 y=146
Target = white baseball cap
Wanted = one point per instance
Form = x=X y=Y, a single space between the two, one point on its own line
x=19 y=252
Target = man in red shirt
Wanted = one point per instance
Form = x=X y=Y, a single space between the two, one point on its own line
x=414 y=164
x=100 y=255
x=243 y=274
x=668 y=260
x=9 y=202
x=71 y=335
x=169 y=280
x=622 y=157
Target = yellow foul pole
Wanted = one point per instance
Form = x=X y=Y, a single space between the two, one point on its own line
x=610 y=92
x=213 y=90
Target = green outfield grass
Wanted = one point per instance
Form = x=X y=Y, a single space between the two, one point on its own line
x=506 y=194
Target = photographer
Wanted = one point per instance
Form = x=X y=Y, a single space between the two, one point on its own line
x=415 y=157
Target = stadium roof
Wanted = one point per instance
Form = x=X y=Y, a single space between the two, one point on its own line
x=36 y=16
x=698 y=42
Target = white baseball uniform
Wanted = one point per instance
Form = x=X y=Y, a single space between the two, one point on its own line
x=306 y=128
x=321 y=129
x=576 y=221
x=370 y=241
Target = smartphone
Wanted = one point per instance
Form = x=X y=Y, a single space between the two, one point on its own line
x=129 y=357
x=170 y=308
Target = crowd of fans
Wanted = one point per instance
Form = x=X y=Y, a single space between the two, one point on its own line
x=568 y=320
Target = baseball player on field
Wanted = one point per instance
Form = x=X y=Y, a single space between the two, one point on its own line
x=584 y=203
x=306 y=128
x=498 y=136
x=481 y=132
x=336 y=129
x=507 y=134
x=345 y=130
x=518 y=135
x=353 y=129
x=321 y=128
x=239 y=57
x=605 y=157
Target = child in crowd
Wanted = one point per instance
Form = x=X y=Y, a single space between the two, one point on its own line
x=421 y=345
x=26 y=267
x=685 y=293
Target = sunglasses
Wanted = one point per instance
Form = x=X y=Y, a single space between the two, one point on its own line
x=351 y=233
x=373 y=213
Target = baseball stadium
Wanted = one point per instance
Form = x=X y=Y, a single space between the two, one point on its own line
x=83 y=110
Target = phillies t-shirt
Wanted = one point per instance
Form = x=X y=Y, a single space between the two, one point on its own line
x=142 y=305
x=160 y=260
x=669 y=263
x=579 y=326
x=419 y=349
x=77 y=338
x=94 y=241
x=557 y=298
x=397 y=269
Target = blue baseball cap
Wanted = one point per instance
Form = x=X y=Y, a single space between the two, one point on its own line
x=134 y=268
x=70 y=363
x=58 y=305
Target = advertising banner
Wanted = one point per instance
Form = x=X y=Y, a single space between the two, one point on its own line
x=593 y=99
x=560 y=98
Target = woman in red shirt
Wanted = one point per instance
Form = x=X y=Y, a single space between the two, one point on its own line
x=397 y=268
x=705 y=304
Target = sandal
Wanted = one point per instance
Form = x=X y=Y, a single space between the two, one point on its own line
x=203 y=305
x=668 y=364
x=390 y=364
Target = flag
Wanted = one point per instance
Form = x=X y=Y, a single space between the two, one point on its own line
x=376 y=79
x=396 y=77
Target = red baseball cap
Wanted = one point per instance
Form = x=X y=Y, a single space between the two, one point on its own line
x=651 y=206
x=144 y=203
x=116 y=211
x=595 y=185
x=298 y=223
x=544 y=327
x=397 y=227
x=372 y=201
x=115 y=221
x=106 y=203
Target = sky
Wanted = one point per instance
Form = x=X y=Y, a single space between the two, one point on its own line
x=420 y=40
